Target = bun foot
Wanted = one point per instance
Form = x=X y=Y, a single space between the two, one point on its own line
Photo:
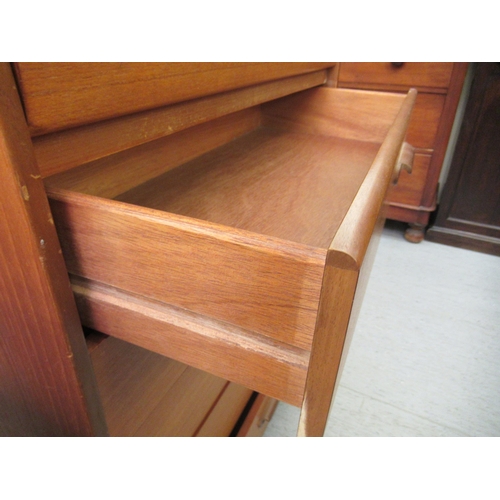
x=415 y=233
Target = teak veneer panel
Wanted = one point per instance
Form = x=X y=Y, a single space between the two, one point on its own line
x=184 y=408
x=63 y=150
x=262 y=284
x=146 y=394
x=348 y=114
x=63 y=95
x=131 y=381
x=220 y=348
x=296 y=187
x=46 y=383
x=113 y=175
x=222 y=419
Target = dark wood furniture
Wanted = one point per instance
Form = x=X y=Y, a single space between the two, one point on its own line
x=218 y=224
x=439 y=86
x=469 y=213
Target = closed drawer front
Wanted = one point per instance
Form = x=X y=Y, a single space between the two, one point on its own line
x=62 y=95
x=410 y=187
x=408 y=74
x=424 y=123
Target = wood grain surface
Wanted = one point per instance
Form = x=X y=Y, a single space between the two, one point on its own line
x=111 y=176
x=263 y=284
x=346 y=257
x=349 y=114
x=224 y=416
x=296 y=187
x=63 y=95
x=423 y=128
x=219 y=348
x=146 y=394
x=60 y=151
x=185 y=406
x=409 y=189
x=47 y=386
x=131 y=382
x=339 y=287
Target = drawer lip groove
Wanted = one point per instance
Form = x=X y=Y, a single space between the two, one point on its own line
x=248 y=357
x=192 y=321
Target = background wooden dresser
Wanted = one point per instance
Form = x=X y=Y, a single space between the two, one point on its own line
x=469 y=211
x=439 y=86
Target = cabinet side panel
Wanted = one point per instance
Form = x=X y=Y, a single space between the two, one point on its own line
x=46 y=382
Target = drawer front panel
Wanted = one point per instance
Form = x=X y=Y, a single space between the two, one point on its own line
x=220 y=349
x=409 y=74
x=410 y=187
x=252 y=283
x=62 y=95
x=424 y=123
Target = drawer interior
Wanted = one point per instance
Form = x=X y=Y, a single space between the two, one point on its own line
x=211 y=243
x=271 y=182
x=280 y=170
x=146 y=394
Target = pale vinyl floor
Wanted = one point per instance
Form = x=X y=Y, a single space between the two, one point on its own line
x=425 y=357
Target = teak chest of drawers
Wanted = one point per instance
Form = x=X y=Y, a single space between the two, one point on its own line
x=224 y=216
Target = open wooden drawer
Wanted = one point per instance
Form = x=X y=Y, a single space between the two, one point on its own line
x=145 y=394
x=236 y=245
